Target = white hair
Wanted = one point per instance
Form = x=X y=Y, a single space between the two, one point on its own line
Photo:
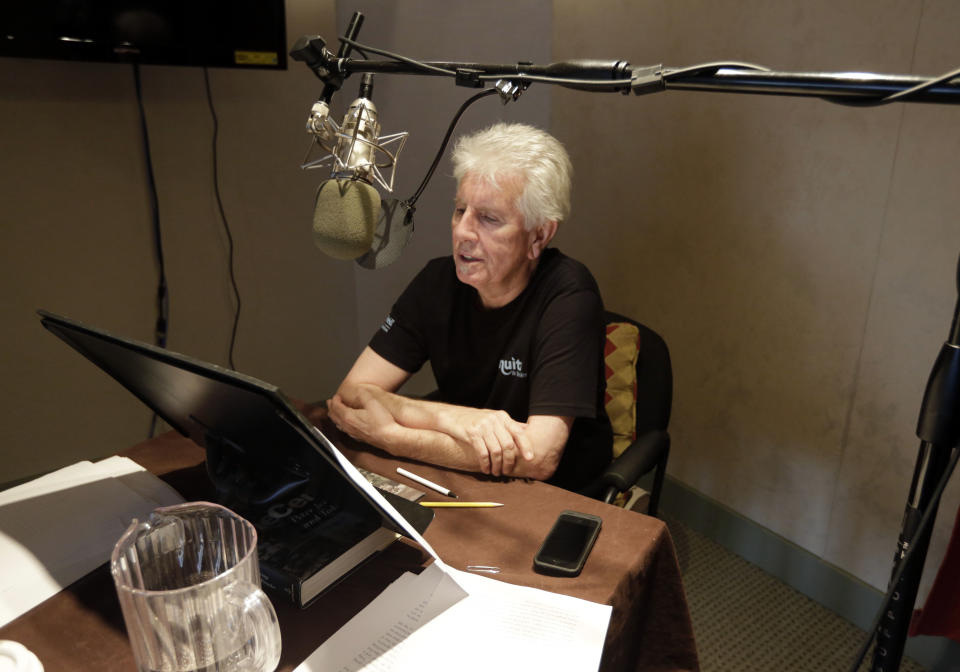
x=524 y=152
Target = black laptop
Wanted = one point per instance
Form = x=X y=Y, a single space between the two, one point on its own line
x=260 y=450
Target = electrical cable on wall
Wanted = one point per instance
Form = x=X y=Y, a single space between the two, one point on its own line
x=223 y=218
x=163 y=299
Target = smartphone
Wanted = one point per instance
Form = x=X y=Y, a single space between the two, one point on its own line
x=565 y=550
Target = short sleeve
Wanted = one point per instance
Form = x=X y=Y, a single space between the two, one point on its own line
x=568 y=356
x=402 y=337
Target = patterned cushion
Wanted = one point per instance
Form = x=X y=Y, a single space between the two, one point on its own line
x=620 y=354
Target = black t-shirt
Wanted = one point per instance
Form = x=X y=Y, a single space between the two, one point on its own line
x=541 y=354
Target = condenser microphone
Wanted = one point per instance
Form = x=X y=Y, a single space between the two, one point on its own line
x=392 y=233
x=347 y=205
x=349 y=221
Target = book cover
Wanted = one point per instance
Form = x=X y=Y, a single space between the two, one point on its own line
x=307 y=543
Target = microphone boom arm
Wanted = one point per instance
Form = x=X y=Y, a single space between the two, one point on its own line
x=618 y=76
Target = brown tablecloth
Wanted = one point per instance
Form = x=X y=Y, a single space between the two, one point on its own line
x=633 y=567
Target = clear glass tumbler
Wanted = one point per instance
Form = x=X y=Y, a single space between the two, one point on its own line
x=188 y=580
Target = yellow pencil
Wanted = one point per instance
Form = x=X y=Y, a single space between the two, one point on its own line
x=460 y=505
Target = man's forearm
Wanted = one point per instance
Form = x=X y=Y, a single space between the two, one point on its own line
x=427 y=431
x=475 y=439
x=400 y=426
x=427 y=445
x=409 y=412
x=423 y=414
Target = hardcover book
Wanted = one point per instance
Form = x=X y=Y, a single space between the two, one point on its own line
x=307 y=544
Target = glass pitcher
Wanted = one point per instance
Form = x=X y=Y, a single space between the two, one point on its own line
x=188 y=580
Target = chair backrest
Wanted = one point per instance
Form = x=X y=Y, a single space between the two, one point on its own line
x=652 y=385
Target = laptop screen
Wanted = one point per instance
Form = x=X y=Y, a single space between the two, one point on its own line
x=260 y=449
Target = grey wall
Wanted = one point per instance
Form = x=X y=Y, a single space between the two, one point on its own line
x=798 y=256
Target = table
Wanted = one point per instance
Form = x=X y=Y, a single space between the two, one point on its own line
x=633 y=567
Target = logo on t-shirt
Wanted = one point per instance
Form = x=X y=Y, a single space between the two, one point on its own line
x=387 y=323
x=512 y=367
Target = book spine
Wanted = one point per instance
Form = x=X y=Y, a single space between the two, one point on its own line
x=281 y=582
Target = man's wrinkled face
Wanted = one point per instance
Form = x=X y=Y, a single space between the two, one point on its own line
x=492 y=250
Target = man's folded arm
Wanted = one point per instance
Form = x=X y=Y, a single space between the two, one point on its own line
x=484 y=440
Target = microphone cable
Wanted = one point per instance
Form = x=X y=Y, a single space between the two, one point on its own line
x=902 y=96
x=443 y=144
x=223 y=219
x=163 y=299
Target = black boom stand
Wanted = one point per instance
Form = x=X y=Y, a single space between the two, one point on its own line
x=939 y=424
x=939 y=432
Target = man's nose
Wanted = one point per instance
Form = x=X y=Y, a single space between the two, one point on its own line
x=466 y=225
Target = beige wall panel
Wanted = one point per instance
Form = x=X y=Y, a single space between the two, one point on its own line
x=75 y=234
x=75 y=239
x=749 y=230
x=911 y=307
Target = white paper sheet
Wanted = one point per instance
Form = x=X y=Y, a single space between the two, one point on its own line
x=57 y=528
x=516 y=627
x=367 y=640
x=447 y=619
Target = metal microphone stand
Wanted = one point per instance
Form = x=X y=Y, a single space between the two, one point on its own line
x=939 y=432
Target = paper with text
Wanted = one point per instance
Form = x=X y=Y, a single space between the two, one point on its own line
x=367 y=640
x=447 y=619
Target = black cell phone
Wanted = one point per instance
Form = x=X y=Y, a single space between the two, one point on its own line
x=568 y=544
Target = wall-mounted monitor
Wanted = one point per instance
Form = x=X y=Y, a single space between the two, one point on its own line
x=214 y=33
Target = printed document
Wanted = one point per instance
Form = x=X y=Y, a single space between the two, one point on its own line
x=447 y=619
x=59 y=527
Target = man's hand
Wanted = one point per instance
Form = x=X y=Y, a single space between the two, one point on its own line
x=498 y=441
x=365 y=418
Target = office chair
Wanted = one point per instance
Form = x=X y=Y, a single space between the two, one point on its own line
x=638 y=400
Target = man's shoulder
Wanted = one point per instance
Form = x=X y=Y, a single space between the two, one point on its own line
x=438 y=266
x=435 y=271
x=562 y=271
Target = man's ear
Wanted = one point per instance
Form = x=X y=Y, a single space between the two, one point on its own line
x=542 y=235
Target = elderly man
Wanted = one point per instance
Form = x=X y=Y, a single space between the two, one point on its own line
x=513 y=330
